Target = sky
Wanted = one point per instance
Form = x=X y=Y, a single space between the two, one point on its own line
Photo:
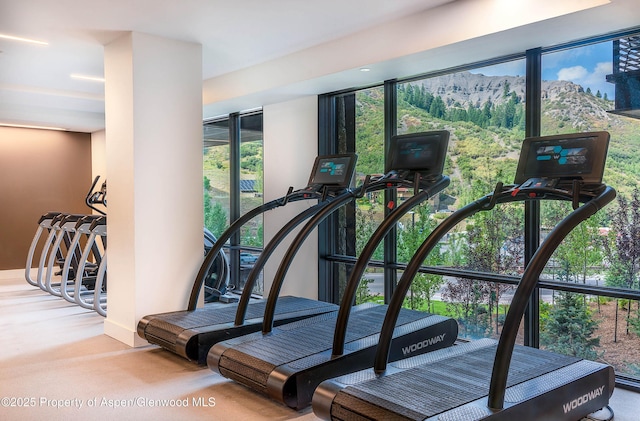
x=586 y=66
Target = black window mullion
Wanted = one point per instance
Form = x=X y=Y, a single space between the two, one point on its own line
x=234 y=194
x=533 y=104
x=390 y=195
x=327 y=229
x=337 y=234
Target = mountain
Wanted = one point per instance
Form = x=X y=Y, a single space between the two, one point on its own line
x=486 y=115
x=473 y=89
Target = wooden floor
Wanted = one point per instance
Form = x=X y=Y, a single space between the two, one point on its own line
x=56 y=363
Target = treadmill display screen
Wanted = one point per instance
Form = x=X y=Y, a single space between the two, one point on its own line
x=578 y=156
x=334 y=170
x=419 y=152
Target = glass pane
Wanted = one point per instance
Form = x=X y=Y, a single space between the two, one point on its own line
x=577 y=97
x=251 y=176
x=216 y=190
x=371 y=286
x=580 y=258
x=216 y=176
x=479 y=307
x=599 y=329
x=251 y=189
x=483 y=110
x=360 y=128
x=370 y=148
x=578 y=94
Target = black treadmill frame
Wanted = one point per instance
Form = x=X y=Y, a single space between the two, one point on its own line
x=593 y=202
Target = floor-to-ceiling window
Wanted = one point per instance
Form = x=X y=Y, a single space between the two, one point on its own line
x=602 y=252
x=483 y=109
x=360 y=127
x=232 y=164
x=489 y=108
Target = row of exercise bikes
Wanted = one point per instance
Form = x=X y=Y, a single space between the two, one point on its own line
x=69 y=251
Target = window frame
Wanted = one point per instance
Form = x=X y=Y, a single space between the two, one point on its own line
x=235 y=246
x=328 y=288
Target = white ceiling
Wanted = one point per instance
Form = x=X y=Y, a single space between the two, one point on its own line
x=35 y=82
x=234 y=35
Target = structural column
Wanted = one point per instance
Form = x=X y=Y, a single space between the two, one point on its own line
x=153 y=98
x=291 y=137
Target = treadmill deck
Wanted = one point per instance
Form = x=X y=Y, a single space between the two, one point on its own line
x=287 y=363
x=191 y=333
x=453 y=384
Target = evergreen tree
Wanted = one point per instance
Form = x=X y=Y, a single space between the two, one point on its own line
x=487 y=113
x=506 y=89
x=215 y=218
x=569 y=329
x=409 y=94
x=438 y=108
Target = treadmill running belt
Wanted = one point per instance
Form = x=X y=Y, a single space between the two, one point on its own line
x=447 y=383
x=254 y=360
x=167 y=328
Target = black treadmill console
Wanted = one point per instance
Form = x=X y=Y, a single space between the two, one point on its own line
x=560 y=159
x=422 y=153
x=333 y=171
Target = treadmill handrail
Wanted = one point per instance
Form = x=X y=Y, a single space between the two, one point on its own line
x=235 y=226
x=500 y=195
x=243 y=303
x=395 y=304
x=349 y=295
x=506 y=343
x=274 y=291
x=386 y=181
x=279 y=237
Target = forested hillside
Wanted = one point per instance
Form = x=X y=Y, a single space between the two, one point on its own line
x=485 y=116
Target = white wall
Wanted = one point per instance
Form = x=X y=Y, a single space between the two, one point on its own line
x=99 y=159
x=290 y=147
x=99 y=155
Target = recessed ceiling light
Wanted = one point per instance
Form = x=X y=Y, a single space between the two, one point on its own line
x=27 y=126
x=21 y=39
x=87 y=77
x=365 y=69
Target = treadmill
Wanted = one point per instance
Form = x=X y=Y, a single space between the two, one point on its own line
x=190 y=333
x=486 y=379
x=286 y=363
